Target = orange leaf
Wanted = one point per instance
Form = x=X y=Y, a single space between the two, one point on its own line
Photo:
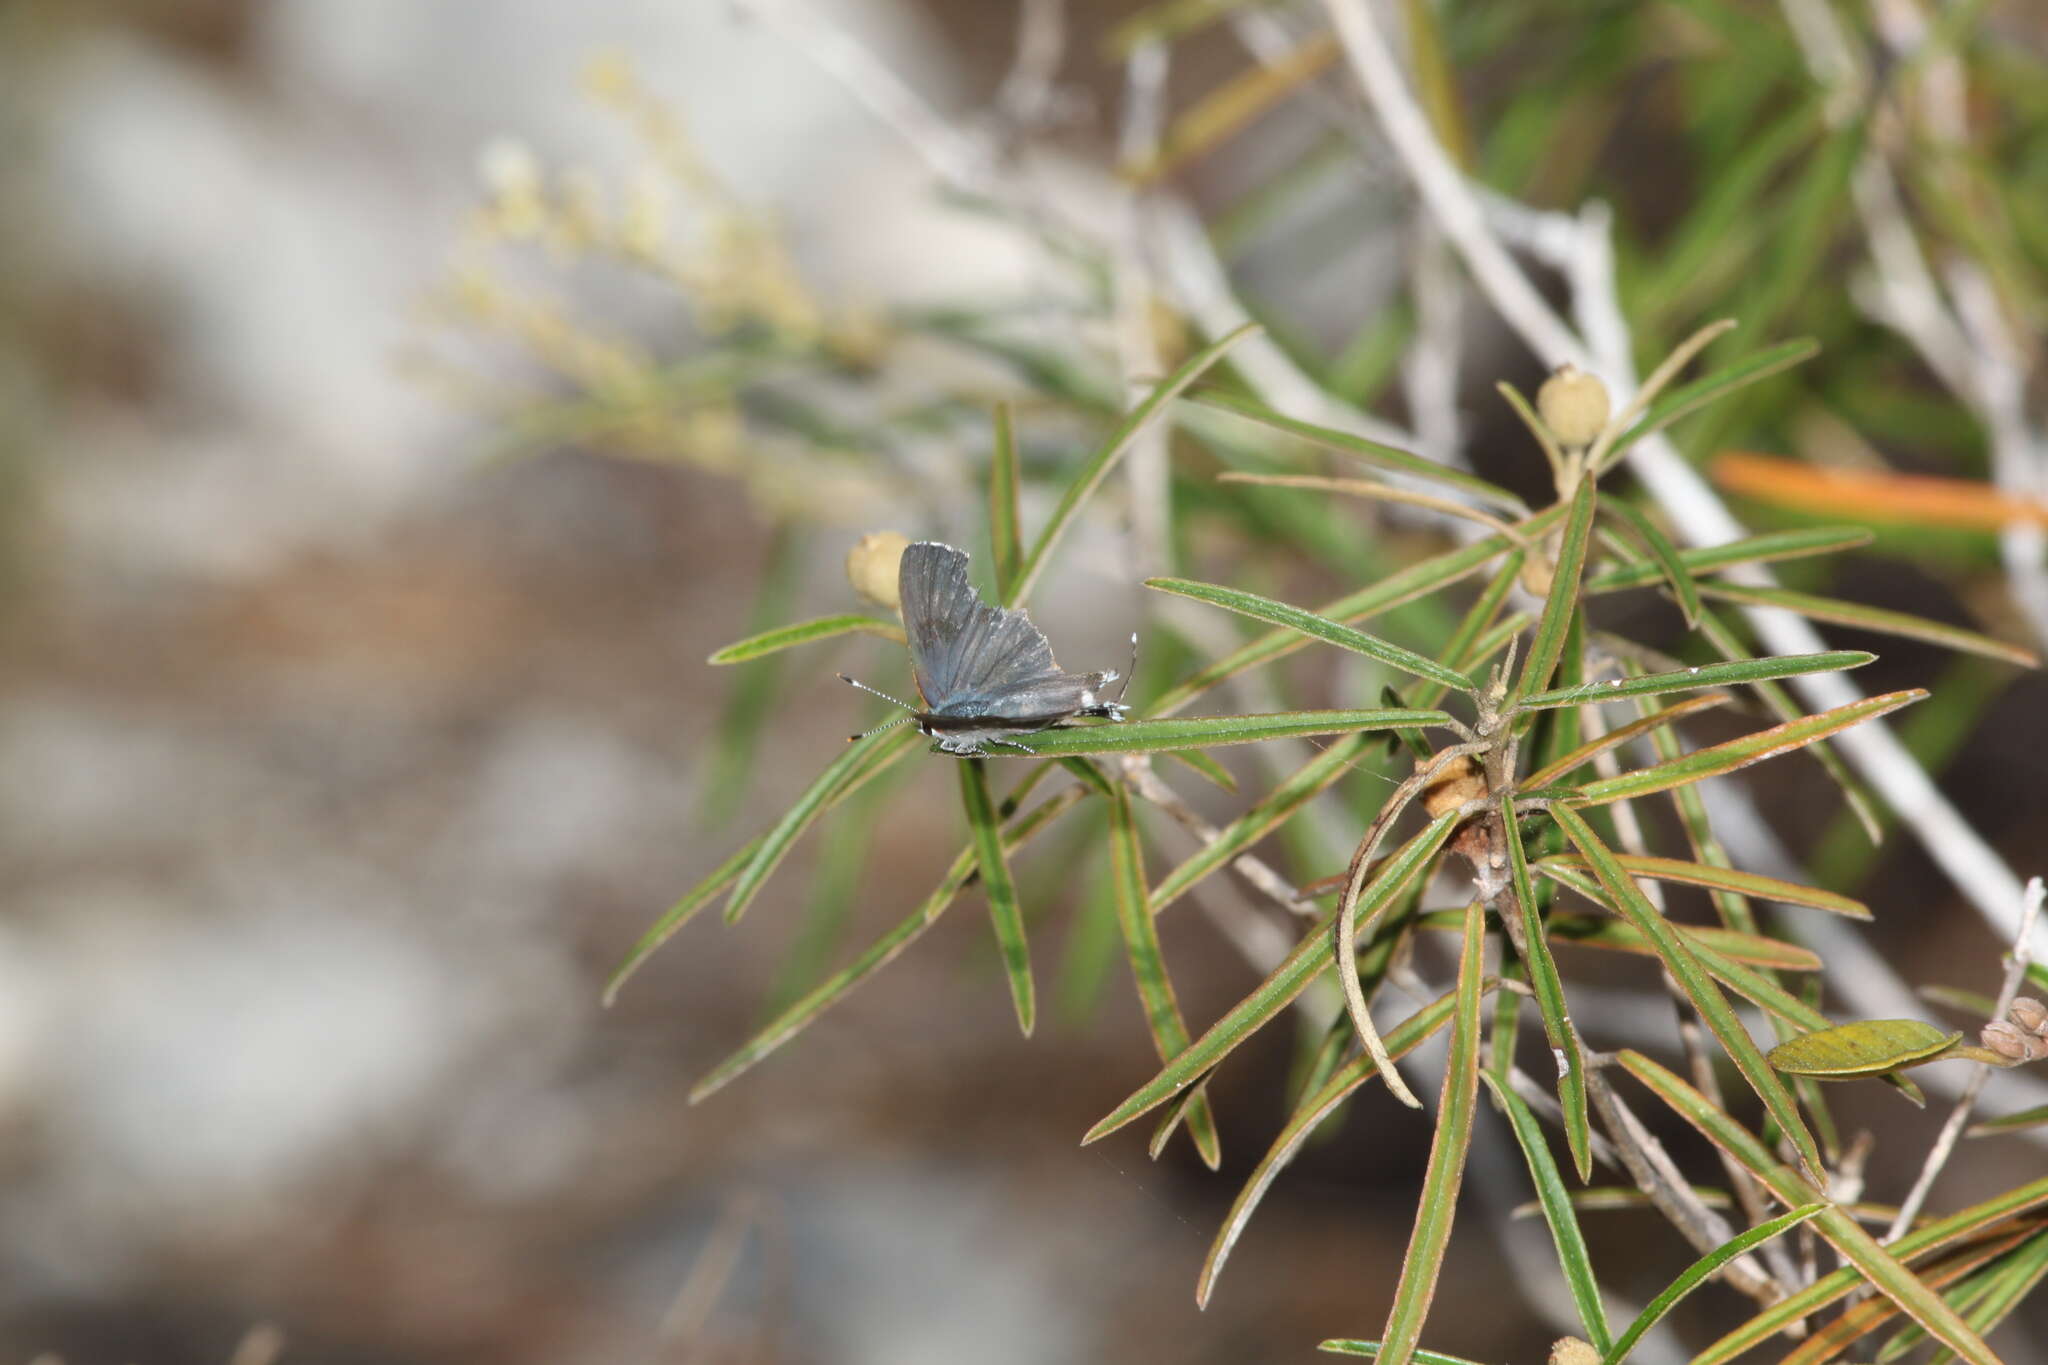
x=1914 y=499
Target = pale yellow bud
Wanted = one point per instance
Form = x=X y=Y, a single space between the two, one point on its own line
x=1572 y=1351
x=872 y=563
x=1573 y=404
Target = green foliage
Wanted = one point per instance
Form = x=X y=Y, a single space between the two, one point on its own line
x=1541 y=738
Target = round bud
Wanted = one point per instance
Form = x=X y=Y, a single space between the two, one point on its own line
x=1572 y=1351
x=1573 y=404
x=2030 y=1014
x=871 y=565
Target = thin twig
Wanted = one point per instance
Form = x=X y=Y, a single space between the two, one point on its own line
x=1145 y=464
x=1959 y=1117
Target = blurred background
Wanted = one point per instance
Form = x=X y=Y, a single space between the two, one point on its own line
x=399 y=399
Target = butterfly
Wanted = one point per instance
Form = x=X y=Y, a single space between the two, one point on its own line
x=985 y=674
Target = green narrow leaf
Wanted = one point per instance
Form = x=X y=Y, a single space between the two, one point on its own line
x=1700 y=1271
x=803 y=633
x=1445 y=1173
x=1201 y=732
x=1005 y=912
x=1104 y=459
x=1962 y=1276
x=1720 y=878
x=1093 y=944
x=751 y=703
x=1702 y=675
x=1550 y=1001
x=679 y=914
x=1684 y=965
x=1951 y=1231
x=1877 y=1264
x=1369 y=452
x=1311 y=958
x=1563 y=600
x=1208 y=767
x=1727 y=207
x=1148 y=964
x=883 y=951
x=2009 y=1123
x=1689 y=397
x=1406 y=585
x=1740 y=753
x=1771 y=546
x=1345 y=1346
x=1322 y=628
x=861 y=760
x=1879 y=619
x=1781 y=705
x=2016 y=1278
x=1619 y=936
x=1619 y=735
x=1572 y=1257
x=1663 y=554
x=1005 y=526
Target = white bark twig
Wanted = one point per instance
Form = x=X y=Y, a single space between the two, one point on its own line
x=1146 y=463
x=1028 y=96
x=1443 y=188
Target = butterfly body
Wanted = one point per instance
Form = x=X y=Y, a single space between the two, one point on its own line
x=986 y=675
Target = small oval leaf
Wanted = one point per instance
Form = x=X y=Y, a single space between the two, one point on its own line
x=1867 y=1048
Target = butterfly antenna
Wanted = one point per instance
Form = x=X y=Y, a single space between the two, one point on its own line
x=886 y=725
x=1133 y=671
x=856 y=682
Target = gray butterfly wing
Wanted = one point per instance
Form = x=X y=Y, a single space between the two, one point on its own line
x=972 y=659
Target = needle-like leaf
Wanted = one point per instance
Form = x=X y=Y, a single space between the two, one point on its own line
x=1311 y=957
x=1550 y=1001
x=1005 y=911
x=1692 y=976
x=1441 y=1179
x=803 y=633
x=1563 y=601
x=1203 y=732
x=1877 y=1264
x=1148 y=964
x=1320 y=627
x=1740 y=753
x=1702 y=675
x=861 y=760
x=1005 y=523
x=1104 y=459
x=880 y=954
x=1572 y=1257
